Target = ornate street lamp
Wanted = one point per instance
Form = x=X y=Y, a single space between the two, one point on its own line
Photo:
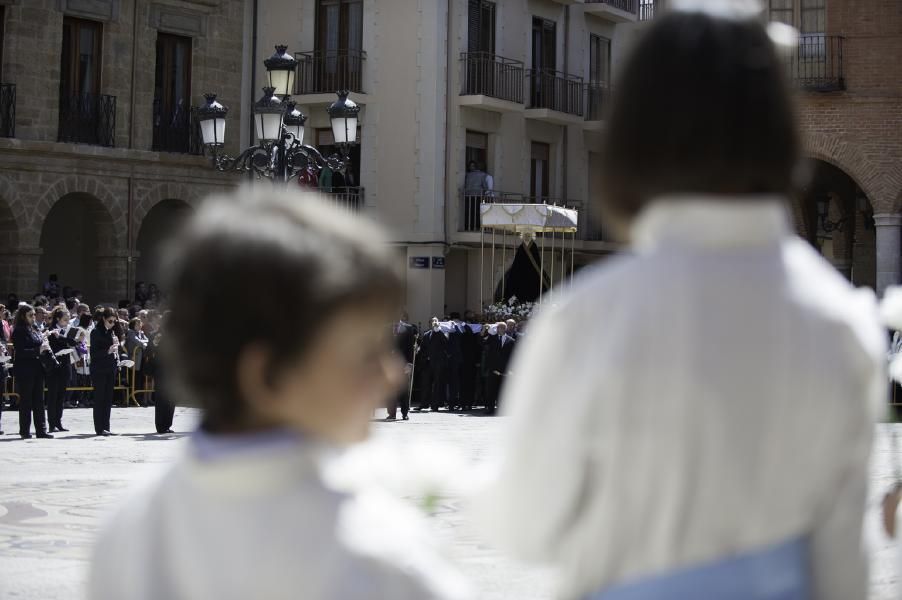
x=280 y=153
x=212 y=121
x=280 y=68
x=268 y=113
x=343 y=113
x=294 y=122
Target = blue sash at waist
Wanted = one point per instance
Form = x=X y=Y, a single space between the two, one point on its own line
x=775 y=573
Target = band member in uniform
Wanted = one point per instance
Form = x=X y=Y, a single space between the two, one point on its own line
x=104 y=365
x=59 y=379
x=29 y=373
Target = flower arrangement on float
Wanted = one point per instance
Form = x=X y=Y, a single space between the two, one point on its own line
x=512 y=309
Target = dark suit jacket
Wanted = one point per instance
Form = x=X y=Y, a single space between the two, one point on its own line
x=436 y=348
x=61 y=342
x=405 y=339
x=27 y=347
x=498 y=354
x=101 y=359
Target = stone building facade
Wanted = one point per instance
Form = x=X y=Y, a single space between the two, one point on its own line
x=520 y=85
x=853 y=135
x=99 y=159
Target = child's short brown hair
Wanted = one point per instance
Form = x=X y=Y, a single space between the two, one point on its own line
x=246 y=260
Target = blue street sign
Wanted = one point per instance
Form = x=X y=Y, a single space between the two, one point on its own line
x=419 y=262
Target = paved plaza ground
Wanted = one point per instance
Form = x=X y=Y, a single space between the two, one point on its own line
x=54 y=493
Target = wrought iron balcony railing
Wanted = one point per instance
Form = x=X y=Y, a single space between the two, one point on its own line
x=596 y=97
x=469 y=206
x=7 y=110
x=350 y=199
x=325 y=71
x=817 y=63
x=624 y=5
x=88 y=119
x=556 y=91
x=647 y=9
x=176 y=131
x=484 y=74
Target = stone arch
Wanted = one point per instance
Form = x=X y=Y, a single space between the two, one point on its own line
x=189 y=194
x=847 y=157
x=113 y=240
x=9 y=241
x=79 y=243
x=157 y=225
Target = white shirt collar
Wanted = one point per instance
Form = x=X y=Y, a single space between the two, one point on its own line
x=711 y=222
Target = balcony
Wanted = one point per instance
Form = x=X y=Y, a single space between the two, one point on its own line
x=816 y=66
x=324 y=72
x=491 y=82
x=350 y=199
x=648 y=9
x=88 y=119
x=555 y=97
x=7 y=110
x=176 y=131
x=618 y=11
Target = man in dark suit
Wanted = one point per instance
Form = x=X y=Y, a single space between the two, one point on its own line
x=455 y=360
x=470 y=352
x=498 y=353
x=405 y=346
x=435 y=347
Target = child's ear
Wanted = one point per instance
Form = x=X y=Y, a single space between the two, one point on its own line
x=254 y=376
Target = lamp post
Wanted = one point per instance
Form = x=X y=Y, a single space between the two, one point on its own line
x=280 y=153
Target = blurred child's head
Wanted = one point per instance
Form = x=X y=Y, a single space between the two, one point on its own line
x=702 y=107
x=321 y=371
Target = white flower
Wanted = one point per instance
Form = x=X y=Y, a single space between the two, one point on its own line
x=891 y=307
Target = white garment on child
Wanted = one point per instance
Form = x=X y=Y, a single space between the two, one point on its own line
x=710 y=395
x=257 y=521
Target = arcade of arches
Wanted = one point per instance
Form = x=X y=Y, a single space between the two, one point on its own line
x=83 y=239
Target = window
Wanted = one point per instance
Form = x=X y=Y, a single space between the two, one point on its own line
x=809 y=16
x=481 y=26
x=172 y=94
x=339 y=25
x=85 y=116
x=477 y=149
x=2 y=24
x=539 y=171
x=80 y=65
x=599 y=60
x=544 y=45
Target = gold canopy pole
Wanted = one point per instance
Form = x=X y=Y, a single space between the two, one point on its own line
x=492 y=279
x=481 y=266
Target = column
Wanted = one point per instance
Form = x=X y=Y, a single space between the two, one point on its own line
x=889 y=250
x=24 y=273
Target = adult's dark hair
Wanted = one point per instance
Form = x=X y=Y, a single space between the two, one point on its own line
x=22 y=312
x=40 y=300
x=270 y=250
x=702 y=106
x=71 y=303
x=133 y=324
x=99 y=312
x=85 y=320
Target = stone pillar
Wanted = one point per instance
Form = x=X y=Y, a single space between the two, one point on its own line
x=844 y=266
x=112 y=277
x=889 y=250
x=425 y=283
x=26 y=263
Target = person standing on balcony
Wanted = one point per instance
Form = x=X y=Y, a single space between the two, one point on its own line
x=719 y=421
x=476 y=184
